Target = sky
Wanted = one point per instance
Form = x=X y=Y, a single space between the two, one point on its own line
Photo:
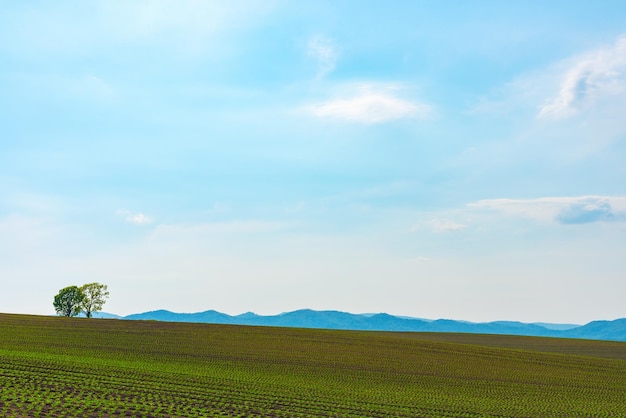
x=462 y=160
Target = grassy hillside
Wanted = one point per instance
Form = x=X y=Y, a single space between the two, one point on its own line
x=78 y=367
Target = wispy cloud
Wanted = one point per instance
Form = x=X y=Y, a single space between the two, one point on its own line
x=371 y=105
x=325 y=52
x=135 y=218
x=445 y=225
x=563 y=210
x=588 y=78
x=591 y=80
x=439 y=226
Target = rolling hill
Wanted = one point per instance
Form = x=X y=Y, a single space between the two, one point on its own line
x=77 y=367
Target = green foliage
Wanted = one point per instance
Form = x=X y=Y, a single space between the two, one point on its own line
x=68 y=301
x=95 y=295
x=89 y=298
x=74 y=368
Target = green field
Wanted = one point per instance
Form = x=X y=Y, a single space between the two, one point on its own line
x=69 y=367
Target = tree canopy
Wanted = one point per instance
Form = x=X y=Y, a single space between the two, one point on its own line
x=88 y=298
x=68 y=301
x=95 y=295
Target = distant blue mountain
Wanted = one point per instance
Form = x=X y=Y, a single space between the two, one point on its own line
x=212 y=317
x=600 y=330
x=307 y=318
x=560 y=327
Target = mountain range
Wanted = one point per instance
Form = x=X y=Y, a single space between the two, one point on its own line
x=307 y=318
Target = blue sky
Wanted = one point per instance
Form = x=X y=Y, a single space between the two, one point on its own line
x=434 y=159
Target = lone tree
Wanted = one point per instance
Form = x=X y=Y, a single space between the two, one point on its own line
x=68 y=301
x=94 y=296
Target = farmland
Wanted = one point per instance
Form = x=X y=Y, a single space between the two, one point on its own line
x=69 y=367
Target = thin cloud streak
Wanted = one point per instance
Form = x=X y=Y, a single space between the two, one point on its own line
x=371 y=107
x=135 y=218
x=324 y=51
x=562 y=210
x=446 y=225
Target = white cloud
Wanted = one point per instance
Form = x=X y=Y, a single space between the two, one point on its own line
x=592 y=76
x=324 y=51
x=563 y=210
x=439 y=226
x=445 y=225
x=135 y=218
x=139 y=219
x=591 y=84
x=371 y=105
